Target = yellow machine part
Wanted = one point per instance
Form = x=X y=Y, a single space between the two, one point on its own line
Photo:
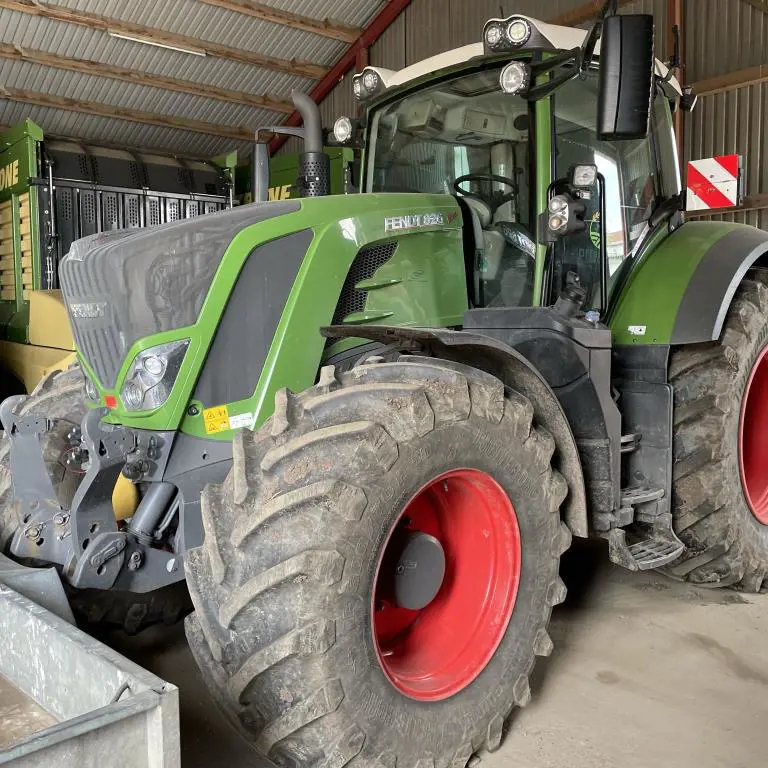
x=51 y=346
x=30 y=363
x=125 y=498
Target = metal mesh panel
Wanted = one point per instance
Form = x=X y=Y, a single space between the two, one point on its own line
x=110 y=215
x=153 y=211
x=135 y=172
x=314 y=169
x=368 y=260
x=88 y=206
x=132 y=215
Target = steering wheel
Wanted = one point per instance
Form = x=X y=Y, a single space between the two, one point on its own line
x=495 y=199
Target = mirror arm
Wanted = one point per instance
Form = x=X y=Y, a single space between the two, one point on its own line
x=547 y=89
x=666 y=210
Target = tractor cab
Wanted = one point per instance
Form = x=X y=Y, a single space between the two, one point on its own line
x=503 y=125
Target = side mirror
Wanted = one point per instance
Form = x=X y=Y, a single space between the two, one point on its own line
x=626 y=77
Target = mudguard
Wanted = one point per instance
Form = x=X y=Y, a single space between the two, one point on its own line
x=495 y=357
x=680 y=292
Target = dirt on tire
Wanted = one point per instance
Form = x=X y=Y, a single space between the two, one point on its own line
x=725 y=543
x=282 y=584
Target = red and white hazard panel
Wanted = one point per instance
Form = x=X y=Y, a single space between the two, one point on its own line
x=715 y=182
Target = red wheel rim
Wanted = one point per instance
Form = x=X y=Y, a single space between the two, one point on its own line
x=436 y=652
x=753 y=439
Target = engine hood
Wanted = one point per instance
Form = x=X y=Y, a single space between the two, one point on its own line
x=121 y=286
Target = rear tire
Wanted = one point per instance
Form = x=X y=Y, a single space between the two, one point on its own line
x=727 y=545
x=283 y=584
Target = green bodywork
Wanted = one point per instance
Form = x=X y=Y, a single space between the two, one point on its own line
x=651 y=297
x=18 y=163
x=423 y=284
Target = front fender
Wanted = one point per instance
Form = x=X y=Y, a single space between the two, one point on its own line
x=495 y=357
x=680 y=292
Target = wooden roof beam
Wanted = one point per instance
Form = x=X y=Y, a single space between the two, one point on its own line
x=159 y=37
x=324 y=27
x=137 y=77
x=237 y=133
x=739 y=79
x=582 y=13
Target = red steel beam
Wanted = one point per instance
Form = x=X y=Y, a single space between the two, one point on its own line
x=367 y=38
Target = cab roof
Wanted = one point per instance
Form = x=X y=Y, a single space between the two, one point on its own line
x=557 y=38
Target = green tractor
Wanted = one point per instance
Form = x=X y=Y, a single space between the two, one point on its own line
x=364 y=428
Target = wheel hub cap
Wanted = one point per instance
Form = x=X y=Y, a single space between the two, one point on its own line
x=446 y=585
x=419 y=571
x=753 y=439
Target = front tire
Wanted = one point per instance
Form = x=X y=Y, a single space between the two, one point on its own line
x=720 y=480
x=288 y=584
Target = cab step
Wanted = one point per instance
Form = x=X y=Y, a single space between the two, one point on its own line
x=642 y=547
x=630 y=443
x=632 y=497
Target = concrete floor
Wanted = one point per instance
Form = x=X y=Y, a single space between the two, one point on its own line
x=646 y=672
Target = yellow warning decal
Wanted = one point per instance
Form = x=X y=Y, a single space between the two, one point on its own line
x=216 y=419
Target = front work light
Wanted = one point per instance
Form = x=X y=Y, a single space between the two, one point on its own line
x=152 y=375
x=494 y=35
x=584 y=175
x=515 y=77
x=518 y=31
x=367 y=83
x=342 y=130
x=510 y=34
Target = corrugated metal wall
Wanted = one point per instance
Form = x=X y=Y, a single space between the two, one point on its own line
x=724 y=36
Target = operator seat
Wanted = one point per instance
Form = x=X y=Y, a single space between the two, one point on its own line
x=499 y=258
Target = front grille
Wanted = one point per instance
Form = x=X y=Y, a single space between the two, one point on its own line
x=368 y=260
x=101 y=348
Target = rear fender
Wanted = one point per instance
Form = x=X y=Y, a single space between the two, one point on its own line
x=680 y=292
x=495 y=357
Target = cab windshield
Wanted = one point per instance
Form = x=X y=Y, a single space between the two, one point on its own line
x=463 y=137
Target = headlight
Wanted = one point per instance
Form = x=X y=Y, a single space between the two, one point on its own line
x=514 y=77
x=370 y=81
x=558 y=204
x=152 y=376
x=367 y=83
x=90 y=389
x=558 y=221
x=494 y=34
x=518 y=31
x=342 y=130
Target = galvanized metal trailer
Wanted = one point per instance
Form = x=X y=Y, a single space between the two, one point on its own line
x=72 y=702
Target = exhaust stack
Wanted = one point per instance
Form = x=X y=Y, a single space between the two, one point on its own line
x=314 y=164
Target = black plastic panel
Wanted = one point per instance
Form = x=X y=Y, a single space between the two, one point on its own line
x=249 y=322
x=575 y=359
